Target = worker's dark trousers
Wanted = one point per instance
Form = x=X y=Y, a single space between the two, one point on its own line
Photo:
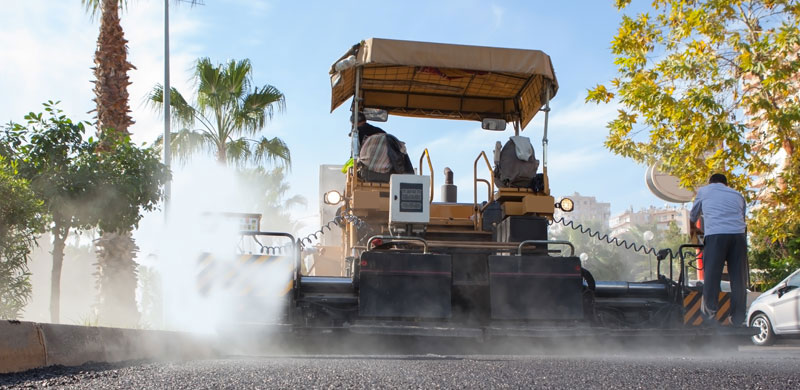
x=717 y=249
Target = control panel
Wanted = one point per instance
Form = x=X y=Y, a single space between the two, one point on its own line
x=410 y=199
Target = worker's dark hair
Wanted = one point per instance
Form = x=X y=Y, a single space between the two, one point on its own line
x=718 y=178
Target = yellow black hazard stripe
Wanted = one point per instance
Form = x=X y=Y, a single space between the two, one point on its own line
x=693 y=315
x=239 y=274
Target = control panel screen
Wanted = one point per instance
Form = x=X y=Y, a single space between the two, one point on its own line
x=411 y=197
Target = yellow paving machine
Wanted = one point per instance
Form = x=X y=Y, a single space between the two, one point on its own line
x=407 y=265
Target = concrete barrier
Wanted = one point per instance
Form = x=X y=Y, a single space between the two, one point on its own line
x=27 y=345
x=21 y=346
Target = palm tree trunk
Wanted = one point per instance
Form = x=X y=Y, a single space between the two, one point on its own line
x=222 y=155
x=59 y=239
x=111 y=74
x=117 y=279
x=116 y=269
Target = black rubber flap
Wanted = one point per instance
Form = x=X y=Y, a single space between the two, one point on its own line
x=535 y=288
x=404 y=285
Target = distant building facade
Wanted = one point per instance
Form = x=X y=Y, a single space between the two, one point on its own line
x=661 y=217
x=587 y=208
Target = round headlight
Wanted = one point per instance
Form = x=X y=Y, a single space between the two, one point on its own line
x=332 y=197
x=566 y=204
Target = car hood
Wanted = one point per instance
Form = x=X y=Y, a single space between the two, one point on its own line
x=765 y=295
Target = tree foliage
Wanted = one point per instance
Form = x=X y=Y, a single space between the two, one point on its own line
x=228 y=108
x=714 y=86
x=80 y=187
x=20 y=221
x=51 y=153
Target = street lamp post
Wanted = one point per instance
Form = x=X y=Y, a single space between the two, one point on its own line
x=166 y=146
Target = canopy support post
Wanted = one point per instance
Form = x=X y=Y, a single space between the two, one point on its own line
x=544 y=138
x=354 y=132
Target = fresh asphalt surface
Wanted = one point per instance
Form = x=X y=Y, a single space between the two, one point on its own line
x=743 y=367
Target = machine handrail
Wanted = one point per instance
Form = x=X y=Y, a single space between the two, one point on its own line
x=546 y=242
x=475 y=185
x=430 y=168
x=260 y=233
x=488 y=187
x=682 y=282
x=271 y=249
x=680 y=254
x=405 y=239
x=295 y=243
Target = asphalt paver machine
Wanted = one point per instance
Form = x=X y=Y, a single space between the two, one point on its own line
x=414 y=267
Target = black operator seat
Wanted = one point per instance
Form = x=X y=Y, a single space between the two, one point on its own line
x=516 y=164
x=382 y=155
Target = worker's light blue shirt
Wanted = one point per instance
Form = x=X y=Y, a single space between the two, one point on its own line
x=722 y=208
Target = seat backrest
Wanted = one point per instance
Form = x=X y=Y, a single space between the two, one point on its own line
x=380 y=156
x=511 y=171
x=374 y=154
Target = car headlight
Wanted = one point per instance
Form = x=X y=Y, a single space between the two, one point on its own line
x=332 y=197
x=566 y=204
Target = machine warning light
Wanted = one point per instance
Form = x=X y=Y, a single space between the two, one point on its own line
x=566 y=204
x=332 y=197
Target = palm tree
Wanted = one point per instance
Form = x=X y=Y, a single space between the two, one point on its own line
x=111 y=70
x=228 y=108
x=116 y=269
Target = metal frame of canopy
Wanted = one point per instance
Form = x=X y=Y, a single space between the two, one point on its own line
x=435 y=80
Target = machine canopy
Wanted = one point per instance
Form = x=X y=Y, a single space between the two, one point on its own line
x=423 y=79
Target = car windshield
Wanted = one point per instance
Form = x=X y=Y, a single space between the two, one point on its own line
x=794 y=280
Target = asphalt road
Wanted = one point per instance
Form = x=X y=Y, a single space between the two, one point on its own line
x=742 y=368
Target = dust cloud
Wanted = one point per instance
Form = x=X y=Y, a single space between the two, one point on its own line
x=177 y=290
x=205 y=285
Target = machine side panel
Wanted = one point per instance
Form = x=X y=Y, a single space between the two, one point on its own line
x=521 y=228
x=405 y=285
x=535 y=288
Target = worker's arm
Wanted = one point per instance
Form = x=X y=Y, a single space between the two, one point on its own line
x=694 y=215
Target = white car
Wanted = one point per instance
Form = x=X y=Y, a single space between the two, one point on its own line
x=776 y=312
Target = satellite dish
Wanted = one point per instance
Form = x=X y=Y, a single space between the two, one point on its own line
x=666 y=187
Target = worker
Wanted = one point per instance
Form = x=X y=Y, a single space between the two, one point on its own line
x=723 y=212
x=365 y=129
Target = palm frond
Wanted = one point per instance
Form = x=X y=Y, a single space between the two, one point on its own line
x=238 y=75
x=272 y=150
x=297 y=200
x=186 y=143
x=210 y=88
x=259 y=106
x=238 y=151
x=93 y=7
x=228 y=107
x=183 y=112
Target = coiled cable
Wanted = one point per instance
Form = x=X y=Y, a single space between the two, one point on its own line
x=338 y=220
x=605 y=237
x=642 y=249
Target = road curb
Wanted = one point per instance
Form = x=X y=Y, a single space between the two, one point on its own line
x=28 y=345
x=21 y=346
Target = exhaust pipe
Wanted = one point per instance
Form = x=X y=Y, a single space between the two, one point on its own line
x=449 y=190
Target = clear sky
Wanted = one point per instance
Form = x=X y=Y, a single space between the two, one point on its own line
x=47 y=47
